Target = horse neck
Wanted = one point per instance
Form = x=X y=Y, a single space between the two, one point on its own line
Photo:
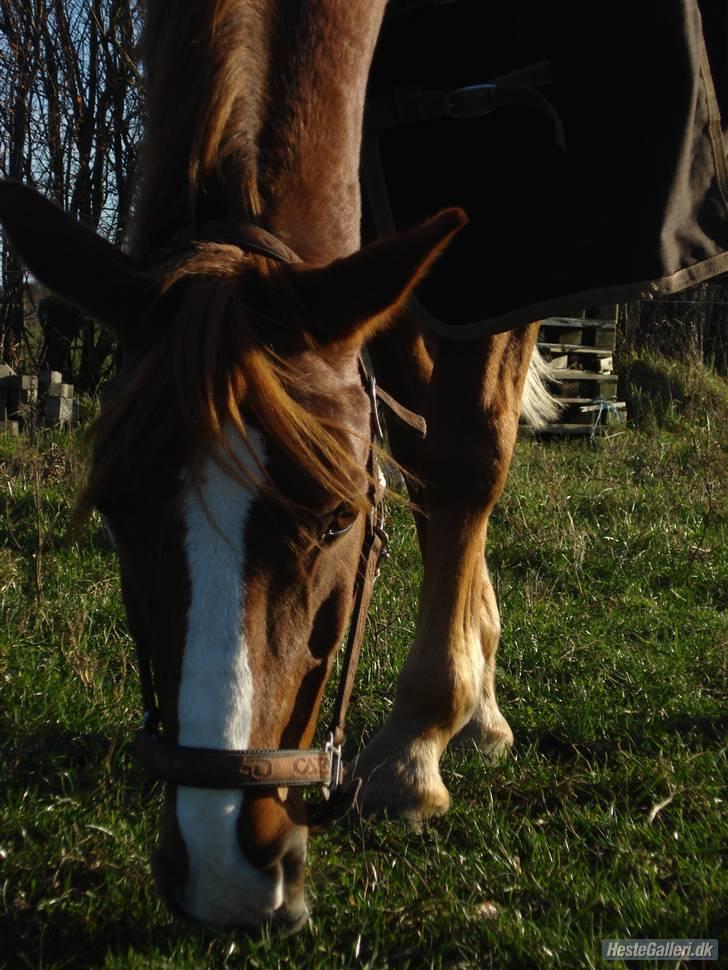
x=312 y=141
x=254 y=113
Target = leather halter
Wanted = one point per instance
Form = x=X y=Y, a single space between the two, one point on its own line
x=250 y=768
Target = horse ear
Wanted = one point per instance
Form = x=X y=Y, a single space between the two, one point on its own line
x=72 y=261
x=352 y=298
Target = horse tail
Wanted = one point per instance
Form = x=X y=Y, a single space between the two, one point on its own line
x=538 y=405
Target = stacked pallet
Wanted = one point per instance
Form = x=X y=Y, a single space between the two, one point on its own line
x=580 y=354
x=33 y=399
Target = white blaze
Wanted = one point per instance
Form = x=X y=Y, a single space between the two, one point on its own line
x=216 y=694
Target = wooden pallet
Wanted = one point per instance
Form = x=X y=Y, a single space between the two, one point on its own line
x=570 y=332
x=580 y=352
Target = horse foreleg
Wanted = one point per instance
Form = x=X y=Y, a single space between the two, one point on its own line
x=440 y=684
x=487 y=729
x=447 y=684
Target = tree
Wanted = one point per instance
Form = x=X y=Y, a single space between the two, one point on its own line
x=70 y=125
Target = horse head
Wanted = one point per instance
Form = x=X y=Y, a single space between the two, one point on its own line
x=231 y=462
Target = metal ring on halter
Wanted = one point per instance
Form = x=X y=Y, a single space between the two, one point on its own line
x=337 y=764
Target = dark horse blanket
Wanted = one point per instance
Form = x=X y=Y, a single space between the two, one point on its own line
x=636 y=204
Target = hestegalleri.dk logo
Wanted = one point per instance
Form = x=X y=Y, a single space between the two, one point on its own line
x=659 y=949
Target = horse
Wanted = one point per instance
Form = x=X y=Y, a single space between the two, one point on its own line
x=234 y=459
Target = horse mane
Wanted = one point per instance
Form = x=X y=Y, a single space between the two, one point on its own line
x=206 y=69
x=213 y=360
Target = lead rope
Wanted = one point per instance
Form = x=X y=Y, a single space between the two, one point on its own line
x=375 y=543
x=374 y=550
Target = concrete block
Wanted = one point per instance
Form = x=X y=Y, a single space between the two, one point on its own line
x=6 y=371
x=11 y=428
x=49 y=377
x=60 y=390
x=27 y=382
x=59 y=410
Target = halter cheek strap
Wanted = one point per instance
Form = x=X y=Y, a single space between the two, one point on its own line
x=249 y=768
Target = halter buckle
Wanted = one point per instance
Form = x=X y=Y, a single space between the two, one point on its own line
x=336 y=763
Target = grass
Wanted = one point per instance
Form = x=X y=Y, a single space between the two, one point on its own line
x=609 y=819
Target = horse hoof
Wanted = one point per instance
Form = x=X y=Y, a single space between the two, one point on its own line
x=413 y=807
x=400 y=786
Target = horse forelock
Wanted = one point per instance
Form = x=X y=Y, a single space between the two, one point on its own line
x=213 y=365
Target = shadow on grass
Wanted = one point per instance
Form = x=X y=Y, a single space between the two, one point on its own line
x=52 y=756
x=79 y=912
x=650 y=737
x=62 y=939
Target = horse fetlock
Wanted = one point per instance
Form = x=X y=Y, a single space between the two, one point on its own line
x=487 y=730
x=401 y=780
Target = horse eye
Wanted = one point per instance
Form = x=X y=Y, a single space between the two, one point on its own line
x=341 y=520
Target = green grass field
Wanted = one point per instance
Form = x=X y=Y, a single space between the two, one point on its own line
x=608 y=820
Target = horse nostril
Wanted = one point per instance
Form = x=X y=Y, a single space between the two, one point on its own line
x=293 y=913
x=293 y=861
x=291 y=864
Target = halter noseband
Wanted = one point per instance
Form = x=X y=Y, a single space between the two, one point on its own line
x=283 y=768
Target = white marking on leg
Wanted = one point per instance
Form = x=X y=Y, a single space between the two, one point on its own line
x=216 y=694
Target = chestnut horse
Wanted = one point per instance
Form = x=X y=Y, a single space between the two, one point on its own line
x=231 y=460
